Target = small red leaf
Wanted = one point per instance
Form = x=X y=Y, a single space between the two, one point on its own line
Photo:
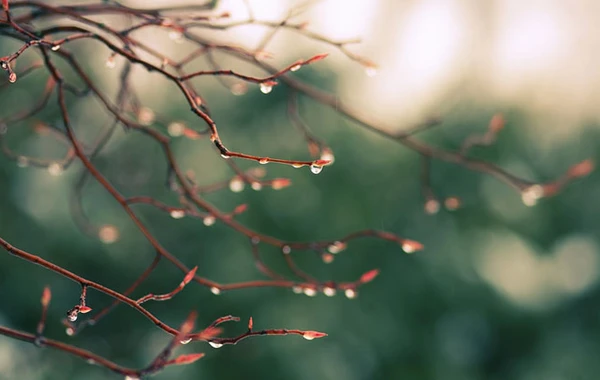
x=317 y=58
x=496 y=123
x=581 y=169
x=46 y=296
x=321 y=162
x=187 y=358
x=84 y=309
x=189 y=276
x=280 y=183
x=310 y=335
x=188 y=325
x=369 y=276
x=240 y=209
x=250 y=323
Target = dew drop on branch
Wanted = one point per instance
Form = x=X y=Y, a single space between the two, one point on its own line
x=316 y=169
x=55 y=169
x=371 y=71
x=265 y=88
x=532 y=194
x=432 y=206
x=55 y=48
x=176 y=36
x=297 y=166
x=239 y=89
x=297 y=289
x=308 y=336
x=69 y=331
x=209 y=220
x=295 y=67
x=329 y=291
x=408 y=247
x=236 y=185
x=215 y=344
x=286 y=249
x=256 y=186
x=263 y=161
x=311 y=292
x=176 y=129
x=146 y=116
x=350 y=293
x=216 y=291
x=108 y=234
x=327 y=155
x=185 y=341
x=177 y=214
x=22 y=161
x=12 y=77
x=110 y=62
x=336 y=247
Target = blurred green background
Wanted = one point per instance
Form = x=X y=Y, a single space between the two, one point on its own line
x=501 y=290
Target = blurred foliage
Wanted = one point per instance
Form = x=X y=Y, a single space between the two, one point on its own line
x=434 y=315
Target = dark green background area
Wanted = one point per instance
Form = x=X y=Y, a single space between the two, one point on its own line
x=427 y=316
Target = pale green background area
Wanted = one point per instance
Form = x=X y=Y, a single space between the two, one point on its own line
x=501 y=291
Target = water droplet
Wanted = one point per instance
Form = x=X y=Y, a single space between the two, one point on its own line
x=371 y=71
x=256 y=186
x=209 y=220
x=176 y=129
x=239 y=89
x=255 y=240
x=263 y=161
x=329 y=292
x=265 y=88
x=452 y=203
x=286 y=249
x=336 y=247
x=308 y=336
x=408 y=248
x=225 y=156
x=177 y=214
x=236 y=184
x=72 y=317
x=327 y=155
x=327 y=258
x=185 y=341
x=311 y=292
x=295 y=67
x=316 y=169
x=215 y=344
x=69 y=331
x=176 y=36
x=257 y=172
x=91 y=361
x=532 y=194
x=108 y=234
x=297 y=289
x=131 y=378
x=55 y=169
x=432 y=206
x=146 y=116
x=297 y=166
x=110 y=62
x=55 y=48
x=216 y=291
x=22 y=161
x=12 y=77
x=350 y=293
